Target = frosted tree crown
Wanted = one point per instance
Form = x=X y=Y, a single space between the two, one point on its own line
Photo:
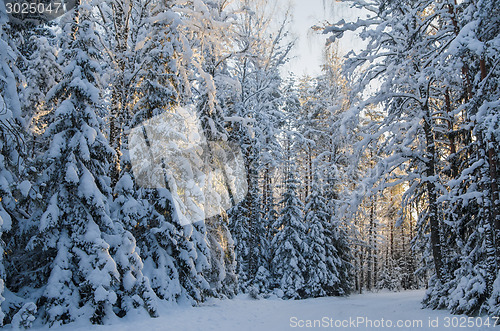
x=204 y=177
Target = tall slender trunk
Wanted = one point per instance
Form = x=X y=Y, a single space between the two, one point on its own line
x=118 y=94
x=361 y=273
x=432 y=214
x=495 y=195
x=492 y=204
x=491 y=146
x=371 y=243
x=451 y=137
x=391 y=242
x=309 y=175
x=115 y=132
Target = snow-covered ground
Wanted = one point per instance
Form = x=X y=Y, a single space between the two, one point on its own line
x=371 y=311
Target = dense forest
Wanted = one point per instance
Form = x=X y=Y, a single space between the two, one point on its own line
x=380 y=173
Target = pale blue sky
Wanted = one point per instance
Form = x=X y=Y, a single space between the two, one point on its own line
x=309 y=48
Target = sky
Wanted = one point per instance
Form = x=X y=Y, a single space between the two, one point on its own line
x=307 y=55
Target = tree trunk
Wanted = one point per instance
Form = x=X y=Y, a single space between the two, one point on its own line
x=118 y=99
x=369 y=276
x=432 y=214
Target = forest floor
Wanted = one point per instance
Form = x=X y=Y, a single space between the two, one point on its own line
x=369 y=311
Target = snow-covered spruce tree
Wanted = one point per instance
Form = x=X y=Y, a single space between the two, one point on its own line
x=132 y=208
x=390 y=276
x=250 y=233
x=170 y=257
x=238 y=226
x=128 y=213
x=169 y=250
x=321 y=276
x=337 y=246
x=289 y=245
x=248 y=225
x=166 y=248
x=76 y=227
x=323 y=155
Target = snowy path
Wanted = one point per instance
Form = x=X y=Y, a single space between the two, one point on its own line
x=244 y=314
